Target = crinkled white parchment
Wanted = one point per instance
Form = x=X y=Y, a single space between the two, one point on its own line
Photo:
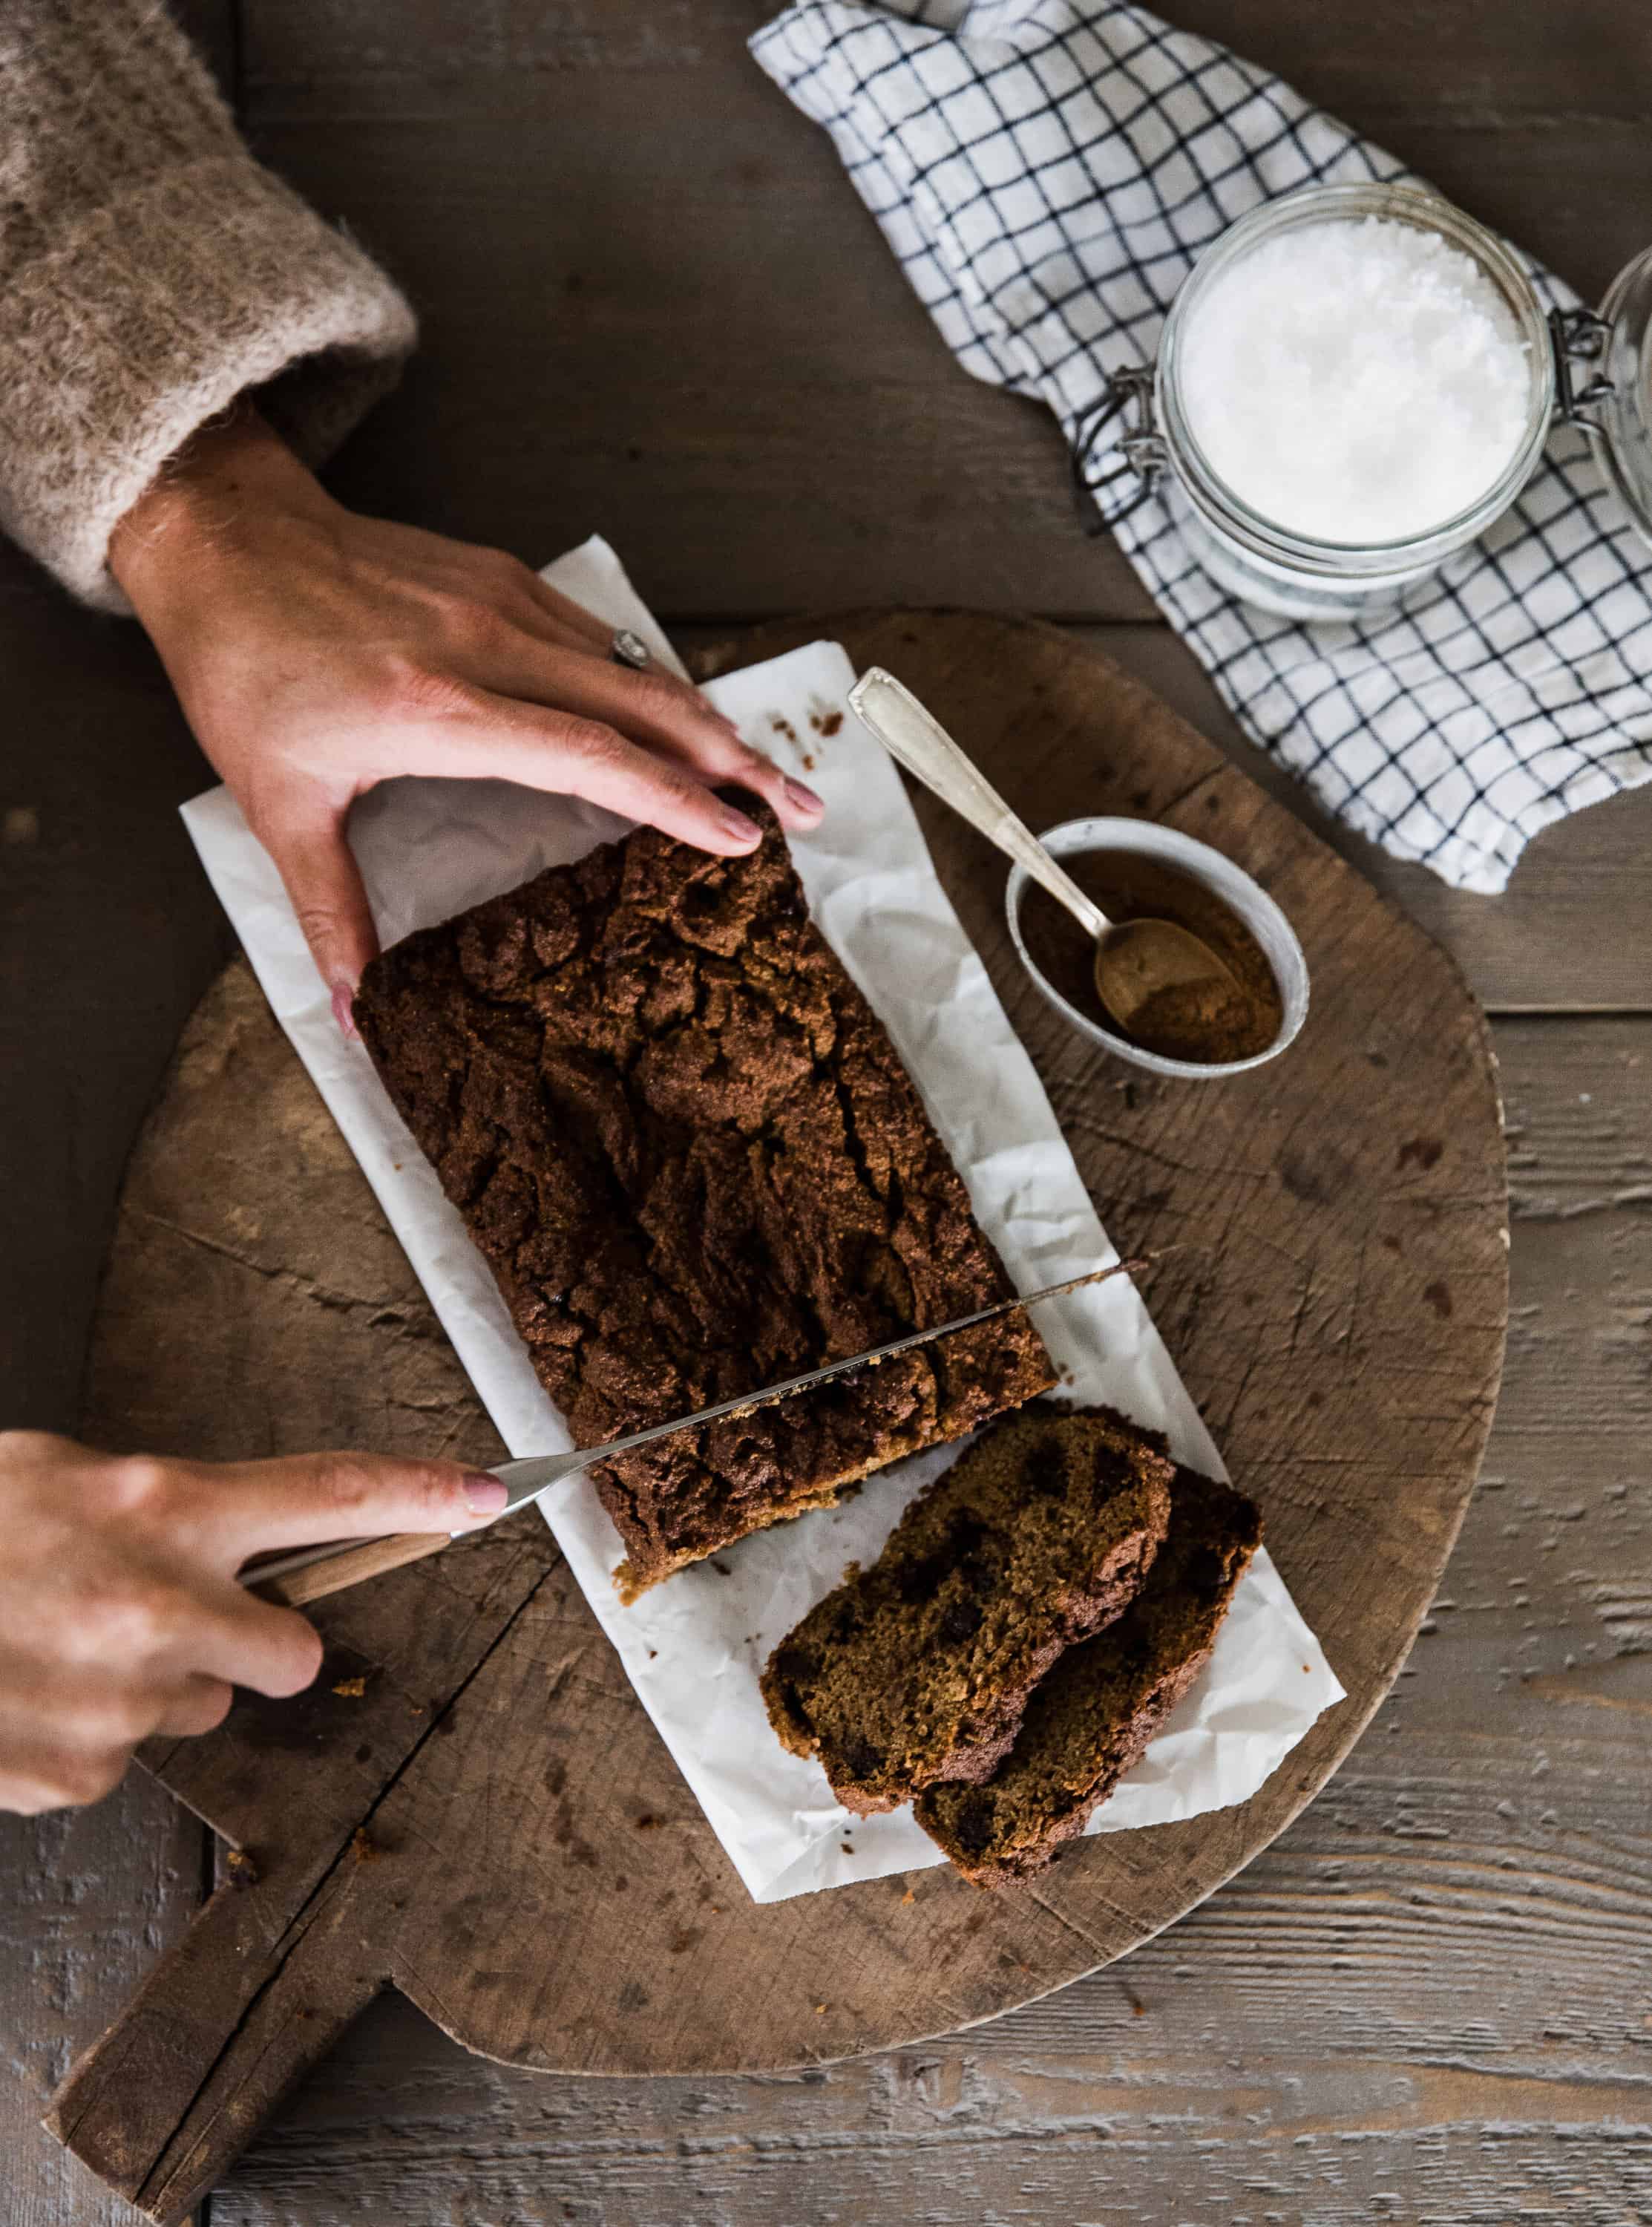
x=694 y=1646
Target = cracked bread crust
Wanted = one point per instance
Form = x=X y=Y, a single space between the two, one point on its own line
x=693 y=1160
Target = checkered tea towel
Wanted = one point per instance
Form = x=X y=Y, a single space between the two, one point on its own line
x=1048 y=171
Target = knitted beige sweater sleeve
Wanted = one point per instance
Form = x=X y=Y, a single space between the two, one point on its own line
x=150 y=271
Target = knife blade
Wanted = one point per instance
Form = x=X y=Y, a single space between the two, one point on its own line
x=347 y=1561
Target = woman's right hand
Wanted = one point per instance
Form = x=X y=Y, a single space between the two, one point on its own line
x=120 y=1615
x=318 y=653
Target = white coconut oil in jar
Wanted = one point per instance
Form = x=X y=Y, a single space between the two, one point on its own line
x=1353 y=382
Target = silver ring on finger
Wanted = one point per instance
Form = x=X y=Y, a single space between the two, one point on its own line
x=630 y=648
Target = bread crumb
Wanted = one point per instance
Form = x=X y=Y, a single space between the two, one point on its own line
x=908 y=1896
x=352 y=1689
x=363 y=1847
x=242 y=1871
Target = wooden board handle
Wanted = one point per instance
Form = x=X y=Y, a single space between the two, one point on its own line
x=350 y=1567
x=235 y=2015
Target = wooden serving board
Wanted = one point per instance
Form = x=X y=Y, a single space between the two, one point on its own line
x=469 y=1805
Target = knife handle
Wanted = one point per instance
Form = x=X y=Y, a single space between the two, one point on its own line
x=349 y=1567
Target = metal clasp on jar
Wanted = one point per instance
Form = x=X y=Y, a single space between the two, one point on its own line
x=1142 y=453
x=1578 y=337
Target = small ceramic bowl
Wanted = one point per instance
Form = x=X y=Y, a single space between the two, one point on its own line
x=1146 y=838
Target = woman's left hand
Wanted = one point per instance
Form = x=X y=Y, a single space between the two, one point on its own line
x=316 y=653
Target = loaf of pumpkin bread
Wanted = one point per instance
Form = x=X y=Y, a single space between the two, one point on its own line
x=695 y=1164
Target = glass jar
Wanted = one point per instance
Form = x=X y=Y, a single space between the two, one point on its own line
x=1587 y=370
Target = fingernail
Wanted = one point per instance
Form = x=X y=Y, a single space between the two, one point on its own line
x=803 y=797
x=738 y=827
x=484 y=1495
x=343 y=1012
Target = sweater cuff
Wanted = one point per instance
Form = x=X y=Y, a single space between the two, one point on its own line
x=159 y=309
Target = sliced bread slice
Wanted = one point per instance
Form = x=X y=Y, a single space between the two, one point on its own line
x=918 y=1668
x=1093 y=1716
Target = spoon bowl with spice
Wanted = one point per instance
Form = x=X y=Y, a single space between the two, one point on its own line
x=1195 y=1030
x=1149 y=974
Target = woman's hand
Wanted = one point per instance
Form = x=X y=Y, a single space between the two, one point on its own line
x=119 y=1612
x=316 y=653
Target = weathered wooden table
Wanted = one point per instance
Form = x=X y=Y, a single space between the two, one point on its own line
x=652 y=306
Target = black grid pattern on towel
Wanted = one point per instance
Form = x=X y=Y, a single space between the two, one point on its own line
x=1046 y=172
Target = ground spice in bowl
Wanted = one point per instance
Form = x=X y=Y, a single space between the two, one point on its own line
x=1206 y=1024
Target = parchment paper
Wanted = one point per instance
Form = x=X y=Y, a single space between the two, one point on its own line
x=694 y=1646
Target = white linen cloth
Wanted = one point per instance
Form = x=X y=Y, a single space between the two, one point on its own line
x=1048 y=171
x=694 y=1646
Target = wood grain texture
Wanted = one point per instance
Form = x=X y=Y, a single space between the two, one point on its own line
x=88 y=1900
x=1348 y=1261
x=1428 y=2001
x=1535 y=116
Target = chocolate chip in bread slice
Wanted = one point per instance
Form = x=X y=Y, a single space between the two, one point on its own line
x=918 y=1668
x=1091 y=1720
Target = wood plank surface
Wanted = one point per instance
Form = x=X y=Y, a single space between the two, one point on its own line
x=108 y=937
x=518 y=425
x=1427 y=2001
x=89 y=1900
x=1348 y=1261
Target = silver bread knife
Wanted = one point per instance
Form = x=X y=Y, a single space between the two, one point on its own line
x=530 y=1478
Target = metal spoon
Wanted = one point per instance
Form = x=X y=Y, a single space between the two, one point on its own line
x=1134 y=959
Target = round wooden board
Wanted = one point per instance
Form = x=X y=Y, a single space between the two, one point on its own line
x=558 y=1900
